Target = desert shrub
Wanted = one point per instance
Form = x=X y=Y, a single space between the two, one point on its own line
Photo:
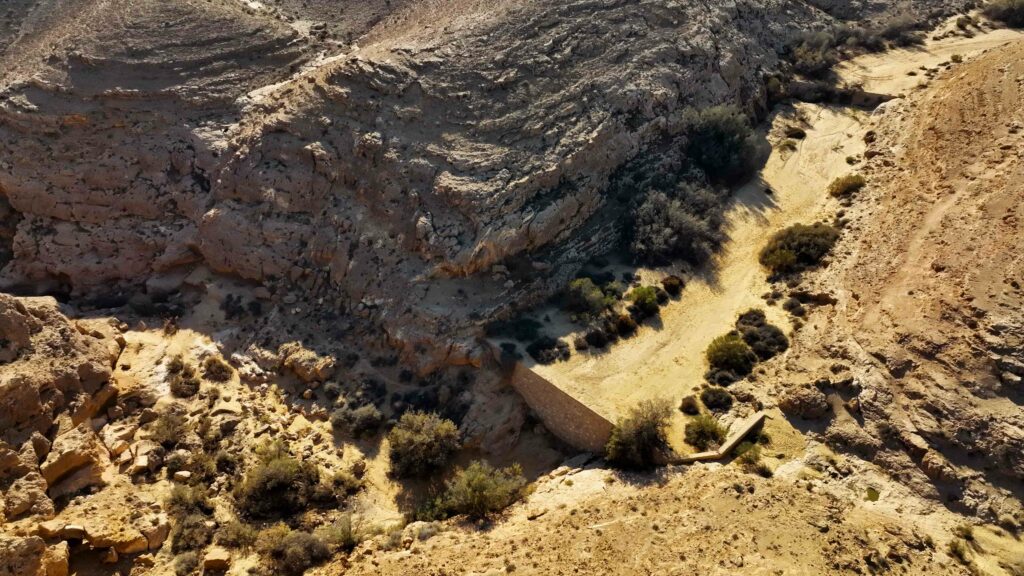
x=332 y=390
x=520 y=329
x=641 y=438
x=277 y=486
x=797 y=247
x=480 y=490
x=720 y=142
x=958 y=550
x=169 y=428
x=175 y=462
x=901 y=31
x=748 y=456
x=175 y=364
x=752 y=318
x=584 y=297
x=716 y=398
x=1009 y=11
x=339 y=535
x=730 y=353
x=766 y=340
x=292 y=552
x=547 y=350
x=186 y=563
x=190 y=533
x=673 y=285
x=216 y=369
x=343 y=483
x=704 y=432
x=225 y=462
x=690 y=406
x=625 y=325
x=421 y=443
x=188 y=500
x=613 y=289
x=666 y=229
x=237 y=535
x=184 y=383
x=645 y=298
x=361 y=422
x=794 y=307
x=814 y=54
x=596 y=338
x=846 y=185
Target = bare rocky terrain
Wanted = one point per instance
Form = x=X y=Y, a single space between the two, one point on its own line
x=331 y=199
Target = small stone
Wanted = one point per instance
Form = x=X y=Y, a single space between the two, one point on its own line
x=182 y=476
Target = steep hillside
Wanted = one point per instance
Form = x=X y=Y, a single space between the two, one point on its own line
x=381 y=177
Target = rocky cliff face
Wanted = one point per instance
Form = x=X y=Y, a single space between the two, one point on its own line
x=383 y=178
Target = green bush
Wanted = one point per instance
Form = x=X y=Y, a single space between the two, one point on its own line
x=278 y=486
x=1009 y=11
x=704 y=432
x=716 y=398
x=732 y=354
x=186 y=563
x=237 y=535
x=720 y=142
x=798 y=247
x=646 y=300
x=190 y=533
x=640 y=439
x=421 y=443
x=584 y=297
x=216 y=369
x=479 y=490
x=846 y=185
x=359 y=423
x=292 y=552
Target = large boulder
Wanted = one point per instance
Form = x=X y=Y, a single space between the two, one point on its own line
x=805 y=401
x=31 y=557
x=76 y=460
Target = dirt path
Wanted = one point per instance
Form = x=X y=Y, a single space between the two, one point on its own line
x=666 y=360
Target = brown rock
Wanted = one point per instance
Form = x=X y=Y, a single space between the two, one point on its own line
x=306 y=364
x=804 y=401
x=217 y=558
x=77 y=460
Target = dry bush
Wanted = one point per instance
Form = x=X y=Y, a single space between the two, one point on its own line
x=421 y=443
x=798 y=247
x=478 y=491
x=216 y=369
x=640 y=440
x=846 y=185
x=704 y=432
x=1010 y=12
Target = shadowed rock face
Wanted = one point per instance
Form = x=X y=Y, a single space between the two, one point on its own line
x=382 y=179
